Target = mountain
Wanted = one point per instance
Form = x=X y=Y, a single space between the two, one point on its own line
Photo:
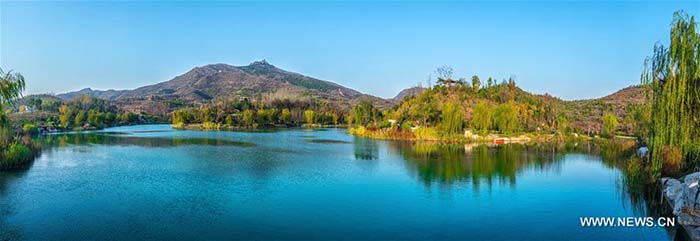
x=259 y=80
x=586 y=114
x=410 y=92
x=102 y=94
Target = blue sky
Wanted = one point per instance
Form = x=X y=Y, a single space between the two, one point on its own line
x=569 y=49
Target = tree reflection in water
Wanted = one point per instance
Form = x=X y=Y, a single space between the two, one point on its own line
x=365 y=149
x=478 y=164
x=446 y=164
x=123 y=139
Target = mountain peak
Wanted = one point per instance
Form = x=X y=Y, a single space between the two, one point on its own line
x=260 y=62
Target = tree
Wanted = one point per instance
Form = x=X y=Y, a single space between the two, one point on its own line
x=95 y=118
x=286 y=116
x=444 y=73
x=182 y=117
x=673 y=74
x=476 y=83
x=207 y=114
x=11 y=86
x=110 y=118
x=481 y=119
x=639 y=116
x=229 y=120
x=364 y=113
x=335 y=118
x=263 y=117
x=65 y=116
x=248 y=118
x=506 y=118
x=562 y=123
x=609 y=125
x=309 y=116
x=79 y=118
x=452 y=119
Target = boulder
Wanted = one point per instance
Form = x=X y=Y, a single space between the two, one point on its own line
x=691 y=190
x=673 y=189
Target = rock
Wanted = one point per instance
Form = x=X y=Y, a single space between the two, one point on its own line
x=691 y=191
x=695 y=233
x=688 y=220
x=693 y=177
x=673 y=189
x=678 y=206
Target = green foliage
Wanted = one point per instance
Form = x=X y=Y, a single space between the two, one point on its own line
x=266 y=116
x=452 y=119
x=15 y=155
x=248 y=118
x=11 y=86
x=183 y=117
x=96 y=118
x=30 y=129
x=365 y=113
x=476 y=83
x=426 y=133
x=610 y=124
x=506 y=118
x=229 y=121
x=207 y=115
x=65 y=116
x=639 y=116
x=309 y=116
x=562 y=124
x=483 y=116
x=286 y=116
x=79 y=118
x=674 y=76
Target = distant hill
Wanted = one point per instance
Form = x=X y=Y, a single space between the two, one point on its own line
x=258 y=80
x=102 y=94
x=586 y=114
x=410 y=92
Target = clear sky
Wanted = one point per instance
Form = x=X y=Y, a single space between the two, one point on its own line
x=568 y=49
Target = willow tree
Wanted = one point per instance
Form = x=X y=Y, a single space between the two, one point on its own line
x=452 y=119
x=11 y=87
x=673 y=74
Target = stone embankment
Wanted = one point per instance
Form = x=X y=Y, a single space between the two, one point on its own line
x=684 y=197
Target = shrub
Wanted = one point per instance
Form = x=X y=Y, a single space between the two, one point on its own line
x=30 y=129
x=17 y=154
x=672 y=158
x=609 y=125
x=426 y=133
x=358 y=131
x=210 y=125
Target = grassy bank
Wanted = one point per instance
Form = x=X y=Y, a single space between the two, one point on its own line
x=433 y=134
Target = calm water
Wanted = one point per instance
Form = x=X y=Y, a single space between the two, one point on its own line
x=150 y=182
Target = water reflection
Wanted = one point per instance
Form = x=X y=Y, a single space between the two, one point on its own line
x=450 y=163
x=124 y=139
x=365 y=149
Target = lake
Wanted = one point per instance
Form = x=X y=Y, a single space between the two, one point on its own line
x=152 y=182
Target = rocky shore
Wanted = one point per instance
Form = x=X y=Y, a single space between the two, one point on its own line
x=683 y=195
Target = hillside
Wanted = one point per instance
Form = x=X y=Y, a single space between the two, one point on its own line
x=410 y=92
x=511 y=109
x=101 y=94
x=258 y=80
x=585 y=114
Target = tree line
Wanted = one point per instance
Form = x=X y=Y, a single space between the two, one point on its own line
x=244 y=113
